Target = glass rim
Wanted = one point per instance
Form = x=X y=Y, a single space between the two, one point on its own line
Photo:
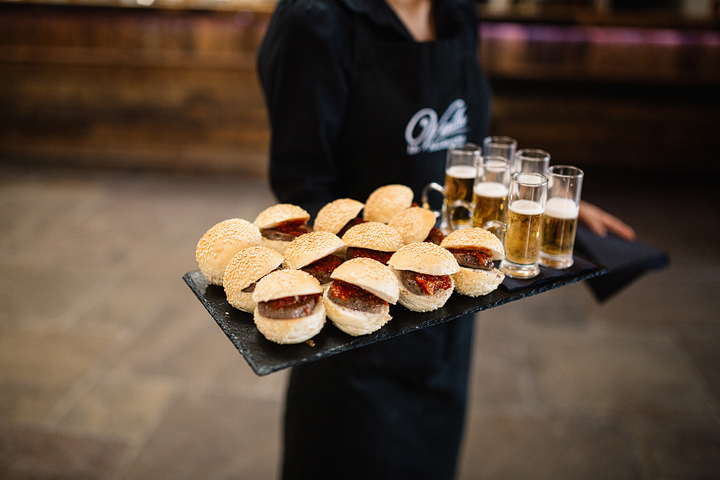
x=532 y=154
x=564 y=171
x=465 y=149
x=503 y=140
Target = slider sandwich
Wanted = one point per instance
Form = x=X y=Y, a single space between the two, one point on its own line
x=315 y=253
x=243 y=272
x=338 y=216
x=424 y=271
x=416 y=224
x=358 y=298
x=373 y=240
x=386 y=202
x=475 y=249
x=289 y=306
x=281 y=224
x=220 y=244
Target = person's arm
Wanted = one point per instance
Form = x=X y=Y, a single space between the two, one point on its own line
x=601 y=222
x=302 y=65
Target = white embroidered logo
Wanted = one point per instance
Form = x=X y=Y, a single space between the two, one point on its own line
x=425 y=133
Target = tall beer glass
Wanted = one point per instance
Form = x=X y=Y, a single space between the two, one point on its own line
x=526 y=204
x=490 y=190
x=531 y=160
x=561 y=216
x=460 y=172
x=499 y=146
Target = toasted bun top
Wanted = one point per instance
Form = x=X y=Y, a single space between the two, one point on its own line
x=231 y=234
x=307 y=248
x=413 y=224
x=475 y=238
x=336 y=214
x=374 y=236
x=285 y=283
x=386 y=202
x=282 y=212
x=370 y=275
x=250 y=264
x=424 y=257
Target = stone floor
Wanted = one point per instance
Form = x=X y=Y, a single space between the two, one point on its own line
x=111 y=369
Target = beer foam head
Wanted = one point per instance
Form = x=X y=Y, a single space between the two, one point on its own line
x=461 y=171
x=526 y=207
x=563 y=208
x=490 y=189
x=530 y=178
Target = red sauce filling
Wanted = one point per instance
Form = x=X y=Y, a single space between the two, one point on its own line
x=432 y=283
x=344 y=291
x=294 y=227
x=327 y=264
x=382 y=257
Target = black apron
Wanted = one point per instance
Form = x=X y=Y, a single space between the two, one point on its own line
x=408 y=103
x=394 y=409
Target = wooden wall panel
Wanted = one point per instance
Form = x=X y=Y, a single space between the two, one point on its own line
x=178 y=90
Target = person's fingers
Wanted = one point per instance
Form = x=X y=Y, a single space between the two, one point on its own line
x=596 y=225
x=590 y=216
x=619 y=228
x=601 y=222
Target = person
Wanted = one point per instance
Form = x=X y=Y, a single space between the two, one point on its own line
x=360 y=94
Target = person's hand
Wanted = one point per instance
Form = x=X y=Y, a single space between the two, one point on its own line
x=601 y=222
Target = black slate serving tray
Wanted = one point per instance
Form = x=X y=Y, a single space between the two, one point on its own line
x=265 y=357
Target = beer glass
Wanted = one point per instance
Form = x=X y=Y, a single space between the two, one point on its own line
x=531 y=160
x=489 y=199
x=526 y=203
x=499 y=146
x=561 y=216
x=460 y=171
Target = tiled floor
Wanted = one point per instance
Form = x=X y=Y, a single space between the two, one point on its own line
x=111 y=369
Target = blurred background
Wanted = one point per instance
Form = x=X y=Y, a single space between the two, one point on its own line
x=129 y=127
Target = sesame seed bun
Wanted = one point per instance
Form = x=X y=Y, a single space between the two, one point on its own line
x=336 y=214
x=285 y=283
x=355 y=322
x=423 y=303
x=220 y=244
x=474 y=282
x=246 y=268
x=386 y=202
x=369 y=275
x=309 y=247
x=475 y=238
x=282 y=212
x=424 y=257
x=372 y=276
x=373 y=236
x=292 y=330
x=413 y=224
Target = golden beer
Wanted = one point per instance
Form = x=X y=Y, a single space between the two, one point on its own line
x=522 y=239
x=489 y=203
x=459 y=181
x=558 y=233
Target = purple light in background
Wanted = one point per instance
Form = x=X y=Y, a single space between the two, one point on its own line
x=618 y=35
x=244 y=18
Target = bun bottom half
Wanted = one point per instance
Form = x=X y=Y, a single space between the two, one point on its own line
x=475 y=282
x=422 y=303
x=355 y=322
x=241 y=300
x=291 y=330
x=277 y=245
